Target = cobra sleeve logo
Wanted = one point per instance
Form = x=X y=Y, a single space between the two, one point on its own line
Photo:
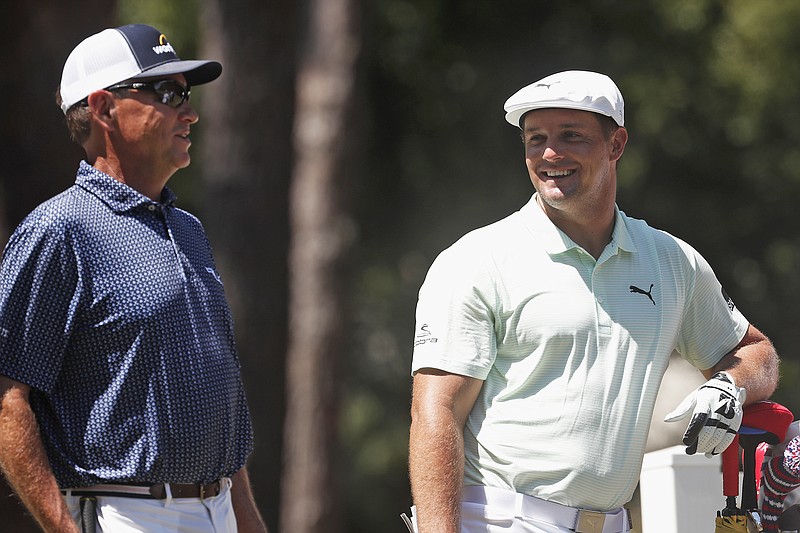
x=424 y=336
x=728 y=301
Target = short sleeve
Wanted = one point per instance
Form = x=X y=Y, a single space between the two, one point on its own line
x=455 y=319
x=38 y=294
x=712 y=325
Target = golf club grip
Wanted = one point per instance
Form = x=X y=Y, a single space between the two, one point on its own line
x=730 y=469
x=749 y=494
x=88 y=506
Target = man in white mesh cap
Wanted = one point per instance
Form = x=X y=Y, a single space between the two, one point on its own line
x=541 y=340
x=121 y=402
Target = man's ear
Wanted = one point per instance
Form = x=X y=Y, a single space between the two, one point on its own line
x=618 y=142
x=101 y=103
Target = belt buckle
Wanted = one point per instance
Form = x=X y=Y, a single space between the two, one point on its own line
x=589 y=521
x=202 y=491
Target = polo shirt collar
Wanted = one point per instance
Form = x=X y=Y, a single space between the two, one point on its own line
x=118 y=196
x=556 y=241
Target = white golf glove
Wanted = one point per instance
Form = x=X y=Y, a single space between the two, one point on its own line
x=716 y=408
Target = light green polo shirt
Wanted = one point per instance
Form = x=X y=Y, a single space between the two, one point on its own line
x=571 y=350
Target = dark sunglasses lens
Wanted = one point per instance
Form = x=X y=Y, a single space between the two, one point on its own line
x=171 y=93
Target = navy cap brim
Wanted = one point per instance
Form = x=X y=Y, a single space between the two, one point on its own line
x=196 y=71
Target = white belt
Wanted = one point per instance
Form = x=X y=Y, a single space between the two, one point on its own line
x=577 y=520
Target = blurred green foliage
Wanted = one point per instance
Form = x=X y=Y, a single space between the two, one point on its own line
x=177 y=19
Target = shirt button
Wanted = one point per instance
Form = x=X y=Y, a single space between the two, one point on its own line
x=151 y=207
x=599 y=299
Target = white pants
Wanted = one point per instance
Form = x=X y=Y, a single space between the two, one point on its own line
x=170 y=515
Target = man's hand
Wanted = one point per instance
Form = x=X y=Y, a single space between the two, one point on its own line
x=716 y=408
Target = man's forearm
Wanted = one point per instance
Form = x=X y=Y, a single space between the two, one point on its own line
x=436 y=471
x=758 y=373
x=24 y=462
x=753 y=365
x=248 y=519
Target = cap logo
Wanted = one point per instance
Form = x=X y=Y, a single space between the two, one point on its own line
x=548 y=85
x=163 y=46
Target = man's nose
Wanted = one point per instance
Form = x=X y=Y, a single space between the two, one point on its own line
x=551 y=155
x=188 y=113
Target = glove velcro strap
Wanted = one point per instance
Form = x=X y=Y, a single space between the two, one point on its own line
x=723 y=382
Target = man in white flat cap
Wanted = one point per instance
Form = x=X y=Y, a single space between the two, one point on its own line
x=542 y=339
x=122 y=407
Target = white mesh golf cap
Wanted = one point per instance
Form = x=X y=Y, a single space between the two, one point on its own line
x=573 y=89
x=118 y=54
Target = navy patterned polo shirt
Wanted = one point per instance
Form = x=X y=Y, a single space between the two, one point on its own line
x=111 y=309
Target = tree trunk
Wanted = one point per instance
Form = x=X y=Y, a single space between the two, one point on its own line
x=321 y=232
x=246 y=161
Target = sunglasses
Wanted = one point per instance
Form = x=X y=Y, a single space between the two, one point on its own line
x=169 y=92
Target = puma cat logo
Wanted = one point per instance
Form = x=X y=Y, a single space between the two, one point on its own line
x=647 y=293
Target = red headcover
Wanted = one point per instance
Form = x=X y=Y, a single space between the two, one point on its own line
x=769 y=416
